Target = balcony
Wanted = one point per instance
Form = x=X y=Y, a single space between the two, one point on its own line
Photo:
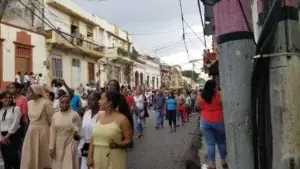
x=71 y=42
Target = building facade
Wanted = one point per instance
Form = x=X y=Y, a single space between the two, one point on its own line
x=74 y=45
x=165 y=75
x=21 y=50
x=146 y=72
x=82 y=48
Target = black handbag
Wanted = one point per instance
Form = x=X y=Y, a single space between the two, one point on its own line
x=85 y=150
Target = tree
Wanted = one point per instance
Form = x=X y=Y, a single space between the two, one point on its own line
x=189 y=74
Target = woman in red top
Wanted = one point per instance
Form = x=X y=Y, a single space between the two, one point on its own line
x=212 y=123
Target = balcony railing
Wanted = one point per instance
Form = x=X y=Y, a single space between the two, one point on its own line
x=72 y=40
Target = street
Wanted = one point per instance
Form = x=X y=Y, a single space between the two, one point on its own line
x=161 y=149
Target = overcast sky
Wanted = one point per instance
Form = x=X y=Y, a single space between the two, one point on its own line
x=155 y=26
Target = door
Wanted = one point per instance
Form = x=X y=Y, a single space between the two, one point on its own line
x=75 y=73
x=91 y=72
x=22 y=60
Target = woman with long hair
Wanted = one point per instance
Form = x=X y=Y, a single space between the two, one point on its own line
x=88 y=123
x=212 y=123
x=64 y=136
x=35 y=151
x=111 y=135
x=10 y=142
x=114 y=85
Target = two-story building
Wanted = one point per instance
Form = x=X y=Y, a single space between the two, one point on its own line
x=75 y=44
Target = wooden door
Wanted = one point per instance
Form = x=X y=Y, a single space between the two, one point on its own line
x=22 y=60
x=91 y=72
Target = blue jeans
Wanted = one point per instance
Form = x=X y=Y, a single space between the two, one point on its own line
x=159 y=118
x=214 y=134
x=138 y=122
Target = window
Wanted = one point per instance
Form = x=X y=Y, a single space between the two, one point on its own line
x=118 y=74
x=75 y=62
x=90 y=33
x=57 y=67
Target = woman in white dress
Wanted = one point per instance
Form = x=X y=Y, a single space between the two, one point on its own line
x=89 y=120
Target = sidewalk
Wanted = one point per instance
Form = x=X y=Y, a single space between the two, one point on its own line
x=202 y=153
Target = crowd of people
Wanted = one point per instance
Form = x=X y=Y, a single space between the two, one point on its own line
x=63 y=128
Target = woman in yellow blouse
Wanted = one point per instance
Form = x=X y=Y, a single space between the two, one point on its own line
x=111 y=135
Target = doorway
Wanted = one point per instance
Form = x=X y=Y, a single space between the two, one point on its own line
x=76 y=73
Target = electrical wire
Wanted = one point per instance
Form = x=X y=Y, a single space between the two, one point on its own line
x=51 y=25
x=194 y=32
x=157 y=33
x=196 y=47
x=246 y=20
x=183 y=30
x=202 y=22
x=162 y=45
x=165 y=47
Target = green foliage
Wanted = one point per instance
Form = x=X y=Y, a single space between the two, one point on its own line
x=189 y=74
x=128 y=72
x=133 y=55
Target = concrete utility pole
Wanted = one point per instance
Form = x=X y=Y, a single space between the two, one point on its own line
x=3 y=6
x=284 y=88
x=235 y=50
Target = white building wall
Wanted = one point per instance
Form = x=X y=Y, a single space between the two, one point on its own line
x=58 y=18
x=150 y=69
x=39 y=55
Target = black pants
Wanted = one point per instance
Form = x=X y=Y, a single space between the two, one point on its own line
x=172 y=117
x=10 y=152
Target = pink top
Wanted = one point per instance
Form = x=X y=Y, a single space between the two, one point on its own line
x=21 y=102
x=212 y=112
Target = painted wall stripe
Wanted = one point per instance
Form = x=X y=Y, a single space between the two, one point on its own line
x=239 y=35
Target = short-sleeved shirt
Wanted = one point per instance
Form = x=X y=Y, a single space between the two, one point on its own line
x=171 y=104
x=75 y=102
x=159 y=102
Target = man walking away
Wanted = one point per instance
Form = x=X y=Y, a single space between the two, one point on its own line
x=159 y=107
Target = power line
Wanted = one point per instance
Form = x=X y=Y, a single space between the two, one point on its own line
x=192 y=42
x=165 y=47
x=183 y=30
x=202 y=22
x=193 y=32
x=158 y=33
x=49 y=24
x=161 y=45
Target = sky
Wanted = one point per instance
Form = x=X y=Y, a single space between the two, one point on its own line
x=156 y=27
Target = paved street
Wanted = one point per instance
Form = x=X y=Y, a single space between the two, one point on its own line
x=161 y=149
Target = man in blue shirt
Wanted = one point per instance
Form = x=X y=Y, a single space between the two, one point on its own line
x=159 y=103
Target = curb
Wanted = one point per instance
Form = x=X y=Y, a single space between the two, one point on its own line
x=190 y=154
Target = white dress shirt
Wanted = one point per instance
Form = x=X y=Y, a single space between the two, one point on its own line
x=12 y=119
